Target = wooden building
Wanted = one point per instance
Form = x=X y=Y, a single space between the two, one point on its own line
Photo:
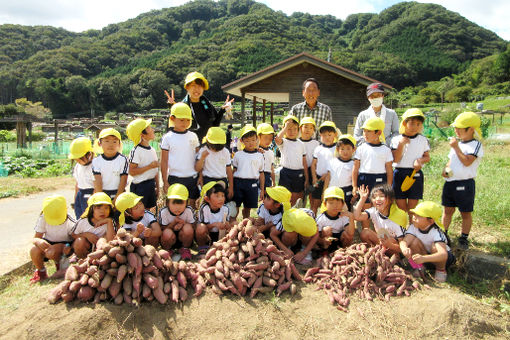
x=342 y=89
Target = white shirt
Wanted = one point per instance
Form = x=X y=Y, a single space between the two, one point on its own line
x=248 y=164
x=143 y=156
x=336 y=223
x=268 y=159
x=181 y=147
x=373 y=158
x=433 y=235
x=460 y=171
x=382 y=222
x=110 y=169
x=147 y=219
x=292 y=153
x=323 y=154
x=310 y=146
x=55 y=233
x=340 y=172
x=83 y=176
x=417 y=146
x=262 y=212
x=83 y=225
x=216 y=162
x=166 y=216
x=207 y=216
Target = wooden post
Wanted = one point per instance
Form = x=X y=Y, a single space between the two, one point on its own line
x=263 y=110
x=272 y=113
x=243 y=113
x=254 y=113
x=56 y=130
x=29 y=125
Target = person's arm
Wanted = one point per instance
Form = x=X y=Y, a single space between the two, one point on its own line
x=399 y=151
x=358 y=214
x=389 y=173
x=440 y=255
x=466 y=160
x=358 y=132
x=298 y=257
x=110 y=229
x=279 y=137
x=305 y=170
x=327 y=179
x=155 y=229
x=275 y=236
x=199 y=164
x=313 y=170
x=273 y=180
x=355 y=173
x=404 y=248
x=164 y=169
x=230 y=177
x=444 y=169
x=98 y=183
x=122 y=185
x=352 y=226
x=134 y=169
x=262 y=180
x=418 y=163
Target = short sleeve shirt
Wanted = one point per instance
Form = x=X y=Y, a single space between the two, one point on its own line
x=55 y=233
x=460 y=171
x=208 y=216
x=215 y=163
x=83 y=176
x=310 y=146
x=268 y=159
x=268 y=217
x=166 y=216
x=292 y=151
x=248 y=164
x=417 y=146
x=323 y=154
x=338 y=223
x=147 y=219
x=373 y=158
x=340 y=172
x=143 y=156
x=181 y=147
x=432 y=235
x=83 y=225
x=382 y=222
x=110 y=169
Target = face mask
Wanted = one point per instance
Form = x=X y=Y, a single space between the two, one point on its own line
x=376 y=102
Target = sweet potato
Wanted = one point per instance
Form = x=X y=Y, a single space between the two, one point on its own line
x=158 y=262
x=114 y=251
x=84 y=279
x=114 y=289
x=86 y=293
x=165 y=255
x=293 y=289
x=181 y=278
x=71 y=273
x=140 y=250
x=96 y=254
x=175 y=291
x=121 y=273
x=183 y=294
x=118 y=299
x=150 y=280
x=112 y=271
x=295 y=272
x=120 y=258
x=150 y=250
x=160 y=295
x=104 y=260
x=107 y=281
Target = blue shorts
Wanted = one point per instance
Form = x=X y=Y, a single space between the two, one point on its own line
x=111 y=193
x=450 y=260
x=293 y=180
x=147 y=189
x=80 y=202
x=246 y=192
x=371 y=180
x=189 y=182
x=268 y=182
x=318 y=189
x=460 y=194
x=415 y=192
x=348 y=196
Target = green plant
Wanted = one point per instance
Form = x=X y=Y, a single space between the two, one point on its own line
x=7 y=136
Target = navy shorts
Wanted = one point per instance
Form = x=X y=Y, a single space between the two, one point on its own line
x=268 y=182
x=318 y=189
x=189 y=182
x=111 y=193
x=460 y=194
x=415 y=192
x=214 y=236
x=451 y=259
x=293 y=180
x=147 y=189
x=371 y=180
x=80 y=202
x=348 y=196
x=246 y=192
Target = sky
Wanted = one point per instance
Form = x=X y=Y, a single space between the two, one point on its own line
x=78 y=16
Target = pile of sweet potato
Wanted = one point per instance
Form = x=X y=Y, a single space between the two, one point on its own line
x=368 y=272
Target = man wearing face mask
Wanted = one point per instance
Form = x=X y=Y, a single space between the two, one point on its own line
x=375 y=95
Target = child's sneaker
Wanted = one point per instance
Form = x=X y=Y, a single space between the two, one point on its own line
x=463 y=243
x=307 y=260
x=39 y=276
x=440 y=276
x=185 y=254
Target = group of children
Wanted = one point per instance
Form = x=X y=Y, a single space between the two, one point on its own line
x=205 y=187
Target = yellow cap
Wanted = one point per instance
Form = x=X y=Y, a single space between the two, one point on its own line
x=182 y=111
x=135 y=128
x=374 y=124
x=265 y=129
x=290 y=117
x=125 y=201
x=177 y=191
x=79 y=147
x=109 y=132
x=216 y=135
x=55 y=209
x=246 y=129
x=299 y=221
x=398 y=216
x=349 y=138
x=281 y=195
x=208 y=187
x=194 y=76
x=431 y=210
x=307 y=120
x=467 y=120
x=327 y=123
x=414 y=112
x=98 y=198
x=334 y=192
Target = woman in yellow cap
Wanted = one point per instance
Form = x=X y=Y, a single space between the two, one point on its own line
x=52 y=235
x=204 y=113
x=96 y=222
x=80 y=151
x=270 y=212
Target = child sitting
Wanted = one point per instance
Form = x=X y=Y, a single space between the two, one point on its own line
x=143 y=162
x=410 y=152
x=52 y=235
x=336 y=227
x=265 y=133
x=389 y=221
x=271 y=210
x=80 y=151
x=307 y=130
x=340 y=168
x=135 y=219
x=96 y=222
x=425 y=242
x=177 y=221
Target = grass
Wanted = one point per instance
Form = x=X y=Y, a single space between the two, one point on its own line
x=16 y=186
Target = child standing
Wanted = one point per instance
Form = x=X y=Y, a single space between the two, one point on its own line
x=265 y=133
x=294 y=172
x=410 y=152
x=248 y=172
x=143 y=162
x=178 y=150
x=110 y=169
x=276 y=200
x=52 y=235
x=425 y=242
x=460 y=173
x=340 y=168
x=177 y=220
x=80 y=150
x=307 y=129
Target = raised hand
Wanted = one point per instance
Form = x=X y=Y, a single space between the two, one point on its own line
x=171 y=98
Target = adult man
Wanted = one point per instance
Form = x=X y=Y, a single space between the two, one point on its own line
x=311 y=107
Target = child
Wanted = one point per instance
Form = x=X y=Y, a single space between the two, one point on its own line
x=136 y=220
x=96 y=222
x=178 y=150
x=110 y=169
x=307 y=130
x=213 y=160
x=80 y=150
x=265 y=133
x=248 y=172
x=321 y=156
x=52 y=235
x=294 y=172
x=410 y=152
x=297 y=228
x=425 y=242
x=460 y=173
x=389 y=221
x=336 y=227
x=340 y=168
x=143 y=162
x=177 y=221
x=212 y=215
x=276 y=200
